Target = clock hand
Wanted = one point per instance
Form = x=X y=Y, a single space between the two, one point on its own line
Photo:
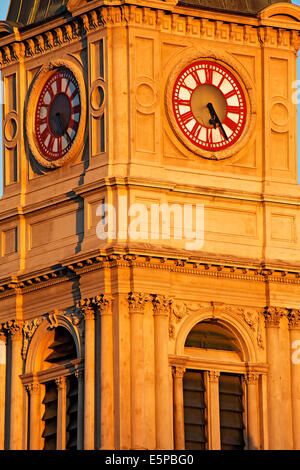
x=62 y=127
x=215 y=120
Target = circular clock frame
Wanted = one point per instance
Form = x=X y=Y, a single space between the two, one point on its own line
x=39 y=89
x=226 y=62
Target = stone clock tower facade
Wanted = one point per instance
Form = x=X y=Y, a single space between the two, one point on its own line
x=149 y=227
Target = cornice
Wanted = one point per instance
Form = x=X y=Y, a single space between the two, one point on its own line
x=158 y=15
x=115 y=257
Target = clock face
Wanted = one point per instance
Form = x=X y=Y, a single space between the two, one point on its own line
x=58 y=114
x=209 y=105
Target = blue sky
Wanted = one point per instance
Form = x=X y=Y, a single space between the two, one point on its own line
x=4 y=4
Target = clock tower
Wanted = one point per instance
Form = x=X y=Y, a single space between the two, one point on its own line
x=149 y=248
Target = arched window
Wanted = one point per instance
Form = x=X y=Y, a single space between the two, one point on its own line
x=213 y=389
x=54 y=396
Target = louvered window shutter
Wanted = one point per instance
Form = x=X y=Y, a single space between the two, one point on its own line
x=194 y=410
x=231 y=412
x=50 y=416
x=72 y=413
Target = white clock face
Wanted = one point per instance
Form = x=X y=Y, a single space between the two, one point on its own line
x=209 y=105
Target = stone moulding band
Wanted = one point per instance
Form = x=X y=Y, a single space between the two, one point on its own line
x=15 y=286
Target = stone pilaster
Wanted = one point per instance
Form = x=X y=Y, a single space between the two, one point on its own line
x=213 y=410
x=137 y=302
x=178 y=407
x=251 y=380
x=34 y=393
x=272 y=322
x=87 y=310
x=104 y=308
x=15 y=334
x=161 y=311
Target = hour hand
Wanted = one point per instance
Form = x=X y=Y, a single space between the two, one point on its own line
x=215 y=119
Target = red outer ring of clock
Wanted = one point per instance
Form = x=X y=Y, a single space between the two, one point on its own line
x=59 y=74
x=242 y=105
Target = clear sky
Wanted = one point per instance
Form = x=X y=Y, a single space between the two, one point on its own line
x=4 y=4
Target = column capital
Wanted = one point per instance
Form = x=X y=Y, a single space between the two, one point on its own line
x=137 y=302
x=213 y=376
x=3 y=334
x=86 y=308
x=61 y=382
x=79 y=374
x=293 y=317
x=161 y=304
x=33 y=388
x=251 y=378
x=103 y=304
x=178 y=372
x=272 y=316
x=14 y=329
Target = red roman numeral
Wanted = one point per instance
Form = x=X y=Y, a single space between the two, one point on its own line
x=208 y=75
x=51 y=143
x=209 y=135
x=184 y=103
x=229 y=123
x=40 y=122
x=230 y=94
x=58 y=84
x=196 y=129
x=190 y=90
x=186 y=117
x=196 y=78
x=222 y=138
x=233 y=109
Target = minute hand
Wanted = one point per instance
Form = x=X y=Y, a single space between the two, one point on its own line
x=215 y=120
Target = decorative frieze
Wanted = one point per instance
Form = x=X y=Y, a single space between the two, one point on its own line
x=29 y=329
x=174 y=23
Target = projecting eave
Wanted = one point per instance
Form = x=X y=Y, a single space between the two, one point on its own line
x=285 y=15
x=7 y=28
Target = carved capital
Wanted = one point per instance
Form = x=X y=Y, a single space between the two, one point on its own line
x=3 y=333
x=178 y=372
x=103 y=304
x=14 y=328
x=79 y=374
x=61 y=382
x=137 y=302
x=251 y=378
x=161 y=304
x=33 y=388
x=213 y=376
x=293 y=317
x=86 y=308
x=272 y=316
